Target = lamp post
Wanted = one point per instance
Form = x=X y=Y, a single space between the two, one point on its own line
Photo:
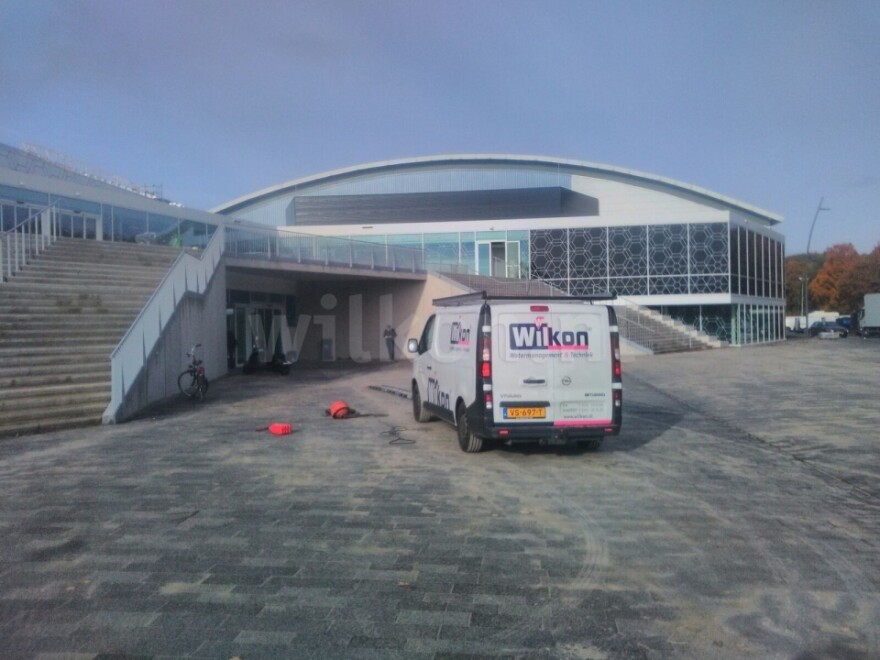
x=813 y=226
x=801 y=280
x=806 y=286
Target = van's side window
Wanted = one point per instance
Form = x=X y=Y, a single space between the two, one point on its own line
x=427 y=336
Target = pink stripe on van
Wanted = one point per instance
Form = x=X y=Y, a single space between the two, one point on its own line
x=583 y=422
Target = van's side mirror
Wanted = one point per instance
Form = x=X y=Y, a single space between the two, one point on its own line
x=412 y=345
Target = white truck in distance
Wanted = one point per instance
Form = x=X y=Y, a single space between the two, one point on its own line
x=520 y=370
x=869 y=316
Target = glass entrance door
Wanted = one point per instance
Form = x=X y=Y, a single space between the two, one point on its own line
x=498 y=258
x=258 y=327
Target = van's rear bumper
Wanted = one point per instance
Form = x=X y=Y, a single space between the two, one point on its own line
x=535 y=431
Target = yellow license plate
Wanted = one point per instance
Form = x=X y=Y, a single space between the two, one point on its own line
x=525 y=413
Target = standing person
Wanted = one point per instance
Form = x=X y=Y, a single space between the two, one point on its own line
x=390 y=335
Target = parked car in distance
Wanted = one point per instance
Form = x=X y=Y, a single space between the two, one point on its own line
x=820 y=327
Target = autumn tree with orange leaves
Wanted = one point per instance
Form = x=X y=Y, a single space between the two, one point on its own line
x=844 y=278
x=864 y=278
x=840 y=261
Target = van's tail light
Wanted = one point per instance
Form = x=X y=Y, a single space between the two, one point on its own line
x=486 y=367
x=617 y=397
x=616 y=368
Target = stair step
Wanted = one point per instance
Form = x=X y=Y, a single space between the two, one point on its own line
x=54 y=420
x=21 y=362
x=86 y=245
x=46 y=297
x=59 y=334
x=22 y=398
x=95 y=289
x=74 y=322
x=87 y=350
x=20 y=308
x=64 y=263
x=146 y=281
x=53 y=373
x=48 y=325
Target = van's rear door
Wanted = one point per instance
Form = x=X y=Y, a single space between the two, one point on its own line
x=552 y=364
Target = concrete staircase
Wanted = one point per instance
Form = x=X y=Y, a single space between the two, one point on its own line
x=60 y=318
x=658 y=333
x=505 y=286
x=649 y=331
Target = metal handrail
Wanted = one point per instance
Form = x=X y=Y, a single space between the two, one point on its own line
x=188 y=274
x=26 y=240
x=661 y=333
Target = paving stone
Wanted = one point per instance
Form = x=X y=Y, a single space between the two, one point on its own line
x=698 y=532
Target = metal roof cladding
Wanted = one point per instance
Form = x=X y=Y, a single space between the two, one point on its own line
x=539 y=162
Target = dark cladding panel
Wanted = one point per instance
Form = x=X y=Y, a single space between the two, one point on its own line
x=551 y=202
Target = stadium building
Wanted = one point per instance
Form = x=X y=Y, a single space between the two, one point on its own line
x=104 y=286
x=705 y=259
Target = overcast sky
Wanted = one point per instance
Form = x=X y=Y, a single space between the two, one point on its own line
x=774 y=103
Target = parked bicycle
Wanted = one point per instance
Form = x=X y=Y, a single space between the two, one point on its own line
x=193 y=383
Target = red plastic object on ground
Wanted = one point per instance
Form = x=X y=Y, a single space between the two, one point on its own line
x=277 y=428
x=339 y=410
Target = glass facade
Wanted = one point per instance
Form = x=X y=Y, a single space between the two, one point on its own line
x=757 y=264
x=499 y=253
x=78 y=218
x=636 y=260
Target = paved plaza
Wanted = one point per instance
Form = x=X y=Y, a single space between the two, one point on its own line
x=736 y=516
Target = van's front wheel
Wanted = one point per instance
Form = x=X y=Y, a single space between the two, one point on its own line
x=419 y=412
x=466 y=439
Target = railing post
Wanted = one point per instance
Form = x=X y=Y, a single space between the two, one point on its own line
x=18 y=249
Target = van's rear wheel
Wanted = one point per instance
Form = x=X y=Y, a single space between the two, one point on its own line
x=466 y=439
x=419 y=412
x=592 y=444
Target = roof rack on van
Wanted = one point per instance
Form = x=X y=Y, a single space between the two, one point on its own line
x=480 y=296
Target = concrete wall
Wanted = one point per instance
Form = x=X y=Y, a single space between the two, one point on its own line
x=436 y=286
x=353 y=315
x=199 y=319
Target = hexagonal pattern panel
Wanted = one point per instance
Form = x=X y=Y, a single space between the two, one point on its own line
x=667 y=252
x=665 y=286
x=549 y=253
x=588 y=250
x=627 y=251
x=708 y=248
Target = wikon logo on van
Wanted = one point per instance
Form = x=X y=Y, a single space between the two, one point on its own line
x=532 y=337
x=459 y=336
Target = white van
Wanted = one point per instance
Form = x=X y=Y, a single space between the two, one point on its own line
x=520 y=369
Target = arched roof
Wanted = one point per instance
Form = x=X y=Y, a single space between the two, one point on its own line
x=570 y=166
